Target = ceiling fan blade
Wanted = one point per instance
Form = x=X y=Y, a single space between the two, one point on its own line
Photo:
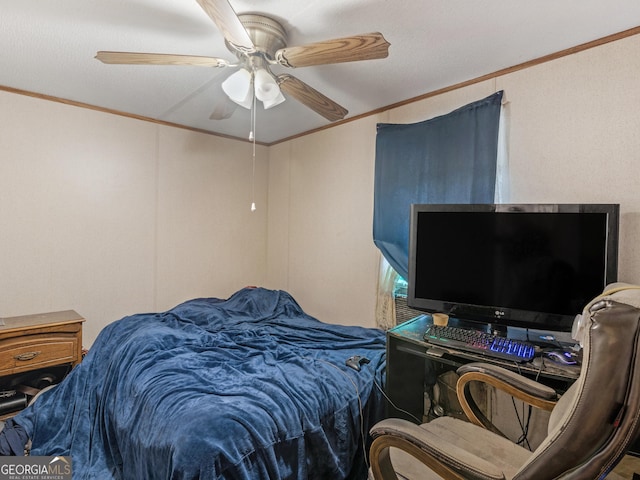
x=223 y=109
x=347 y=49
x=225 y=18
x=131 y=58
x=311 y=98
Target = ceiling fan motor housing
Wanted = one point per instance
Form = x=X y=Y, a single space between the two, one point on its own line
x=267 y=35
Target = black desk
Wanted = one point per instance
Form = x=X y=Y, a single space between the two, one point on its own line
x=406 y=367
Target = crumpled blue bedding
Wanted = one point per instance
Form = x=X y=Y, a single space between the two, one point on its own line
x=249 y=387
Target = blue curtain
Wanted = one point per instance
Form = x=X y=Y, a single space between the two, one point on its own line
x=447 y=159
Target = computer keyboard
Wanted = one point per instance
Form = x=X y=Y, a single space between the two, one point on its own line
x=480 y=342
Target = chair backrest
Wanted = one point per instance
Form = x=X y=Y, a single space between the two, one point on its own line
x=596 y=420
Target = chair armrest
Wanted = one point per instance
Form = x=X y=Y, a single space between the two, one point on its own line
x=518 y=386
x=444 y=458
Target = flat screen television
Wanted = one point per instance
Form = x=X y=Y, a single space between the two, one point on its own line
x=507 y=265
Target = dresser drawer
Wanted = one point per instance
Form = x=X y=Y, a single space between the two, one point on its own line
x=37 y=351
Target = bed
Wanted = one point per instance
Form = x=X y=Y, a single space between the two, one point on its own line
x=249 y=387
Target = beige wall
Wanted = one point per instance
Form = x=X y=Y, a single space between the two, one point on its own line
x=320 y=217
x=111 y=216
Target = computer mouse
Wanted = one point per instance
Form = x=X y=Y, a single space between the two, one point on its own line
x=563 y=357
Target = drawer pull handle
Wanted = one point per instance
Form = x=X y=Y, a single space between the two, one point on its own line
x=23 y=357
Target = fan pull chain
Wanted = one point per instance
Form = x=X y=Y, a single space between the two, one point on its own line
x=252 y=138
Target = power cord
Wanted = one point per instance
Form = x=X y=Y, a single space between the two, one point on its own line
x=524 y=425
x=394 y=405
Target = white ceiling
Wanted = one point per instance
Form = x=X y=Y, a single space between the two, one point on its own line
x=48 y=46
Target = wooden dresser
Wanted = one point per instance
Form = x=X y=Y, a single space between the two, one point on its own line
x=37 y=342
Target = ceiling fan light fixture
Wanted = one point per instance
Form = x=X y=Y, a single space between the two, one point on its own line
x=266 y=87
x=238 y=87
x=276 y=101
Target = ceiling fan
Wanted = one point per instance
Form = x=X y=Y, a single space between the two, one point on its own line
x=259 y=42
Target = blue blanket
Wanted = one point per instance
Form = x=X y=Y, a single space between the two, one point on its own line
x=245 y=388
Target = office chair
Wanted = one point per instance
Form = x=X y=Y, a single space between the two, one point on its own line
x=590 y=428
